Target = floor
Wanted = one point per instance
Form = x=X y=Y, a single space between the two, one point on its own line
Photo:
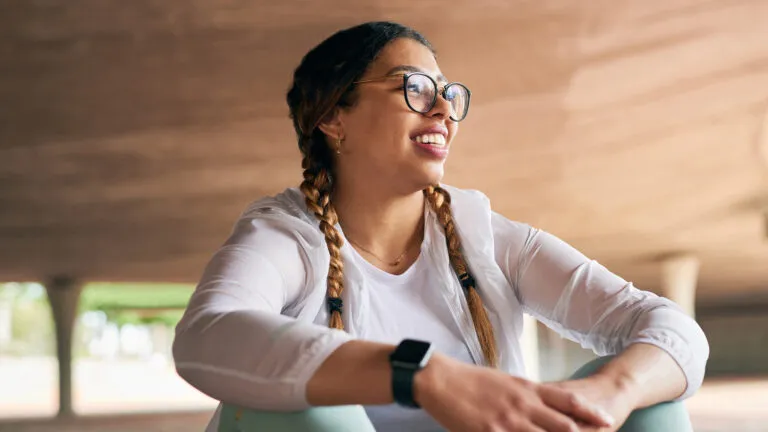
x=168 y=422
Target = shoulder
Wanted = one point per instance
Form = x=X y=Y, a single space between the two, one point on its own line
x=278 y=228
x=469 y=206
x=461 y=197
x=284 y=213
x=477 y=202
x=290 y=203
x=512 y=230
x=271 y=246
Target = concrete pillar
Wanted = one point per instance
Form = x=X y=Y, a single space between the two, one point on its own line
x=557 y=365
x=161 y=341
x=530 y=345
x=679 y=275
x=6 y=319
x=64 y=294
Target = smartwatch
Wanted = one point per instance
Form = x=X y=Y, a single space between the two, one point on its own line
x=408 y=358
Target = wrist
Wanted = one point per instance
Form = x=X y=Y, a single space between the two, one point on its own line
x=429 y=379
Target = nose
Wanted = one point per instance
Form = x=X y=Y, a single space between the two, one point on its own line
x=442 y=108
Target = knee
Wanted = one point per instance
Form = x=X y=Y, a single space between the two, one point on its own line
x=351 y=418
x=663 y=417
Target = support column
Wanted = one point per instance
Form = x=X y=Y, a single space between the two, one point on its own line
x=679 y=277
x=63 y=295
x=557 y=363
x=530 y=345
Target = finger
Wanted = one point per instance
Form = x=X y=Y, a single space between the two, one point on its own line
x=514 y=422
x=528 y=427
x=575 y=405
x=583 y=427
x=553 y=421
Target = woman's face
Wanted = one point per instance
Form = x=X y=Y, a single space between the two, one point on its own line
x=386 y=144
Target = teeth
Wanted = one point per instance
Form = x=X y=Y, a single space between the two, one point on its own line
x=436 y=139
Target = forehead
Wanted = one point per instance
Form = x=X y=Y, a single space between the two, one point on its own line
x=404 y=52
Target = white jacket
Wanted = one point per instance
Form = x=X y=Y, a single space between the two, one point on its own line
x=255 y=329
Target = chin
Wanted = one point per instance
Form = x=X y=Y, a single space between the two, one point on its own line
x=414 y=177
x=431 y=174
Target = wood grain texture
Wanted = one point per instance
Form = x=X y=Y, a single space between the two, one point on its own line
x=133 y=133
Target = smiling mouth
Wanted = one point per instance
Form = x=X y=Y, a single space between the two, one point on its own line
x=431 y=139
x=433 y=146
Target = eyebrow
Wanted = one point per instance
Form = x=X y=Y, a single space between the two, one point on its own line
x=409 y=68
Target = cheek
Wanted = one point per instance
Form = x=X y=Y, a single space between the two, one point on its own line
x=453 y=130
x=389 y=132
x=381 y=129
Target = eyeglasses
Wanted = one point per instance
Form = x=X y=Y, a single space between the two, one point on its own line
x=420 y=92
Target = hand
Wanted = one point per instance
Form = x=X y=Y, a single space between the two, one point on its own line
x=468 y=398
x=616 y=399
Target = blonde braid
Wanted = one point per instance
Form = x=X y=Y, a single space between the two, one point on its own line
x=317 y=187
x=440 y=200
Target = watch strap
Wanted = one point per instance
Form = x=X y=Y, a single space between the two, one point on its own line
x=402 y=386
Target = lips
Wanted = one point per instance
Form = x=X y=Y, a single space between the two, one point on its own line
x=432 y=141
x=434 y=151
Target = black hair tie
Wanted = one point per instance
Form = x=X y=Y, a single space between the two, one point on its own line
x=467 y=281
x=335 y=304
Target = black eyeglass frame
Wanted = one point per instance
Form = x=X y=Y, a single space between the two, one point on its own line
x=438 y=91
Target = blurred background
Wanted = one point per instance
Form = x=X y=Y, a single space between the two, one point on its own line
x=132 y=135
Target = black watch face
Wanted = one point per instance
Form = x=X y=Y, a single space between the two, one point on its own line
x=411 y=351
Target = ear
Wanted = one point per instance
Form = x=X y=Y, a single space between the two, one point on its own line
x=332 y=125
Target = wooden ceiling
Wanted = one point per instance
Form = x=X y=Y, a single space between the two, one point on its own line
x=132 y=134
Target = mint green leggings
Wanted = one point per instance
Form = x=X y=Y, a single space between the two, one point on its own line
x=664 y=417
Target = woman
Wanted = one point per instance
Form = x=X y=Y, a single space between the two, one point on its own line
x=373 y=285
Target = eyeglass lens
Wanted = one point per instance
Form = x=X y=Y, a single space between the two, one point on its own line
x=421 y=90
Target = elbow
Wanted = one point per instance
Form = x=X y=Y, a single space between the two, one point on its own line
x=689 y=347
x=193 y=364
x=699 y=355
x=183 y=356
x=192 y=357
x=681 y=337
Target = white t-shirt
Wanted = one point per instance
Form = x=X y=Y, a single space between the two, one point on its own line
x=409 y=305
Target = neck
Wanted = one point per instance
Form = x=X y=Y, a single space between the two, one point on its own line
x=384 y=223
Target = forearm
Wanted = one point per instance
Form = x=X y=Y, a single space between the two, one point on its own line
x=647 y=373
x=357 y=372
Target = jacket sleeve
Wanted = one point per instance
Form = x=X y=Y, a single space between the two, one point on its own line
x=232 y=343
x=584 y=302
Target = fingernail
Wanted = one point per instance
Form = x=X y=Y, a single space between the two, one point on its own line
x=605 y=416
